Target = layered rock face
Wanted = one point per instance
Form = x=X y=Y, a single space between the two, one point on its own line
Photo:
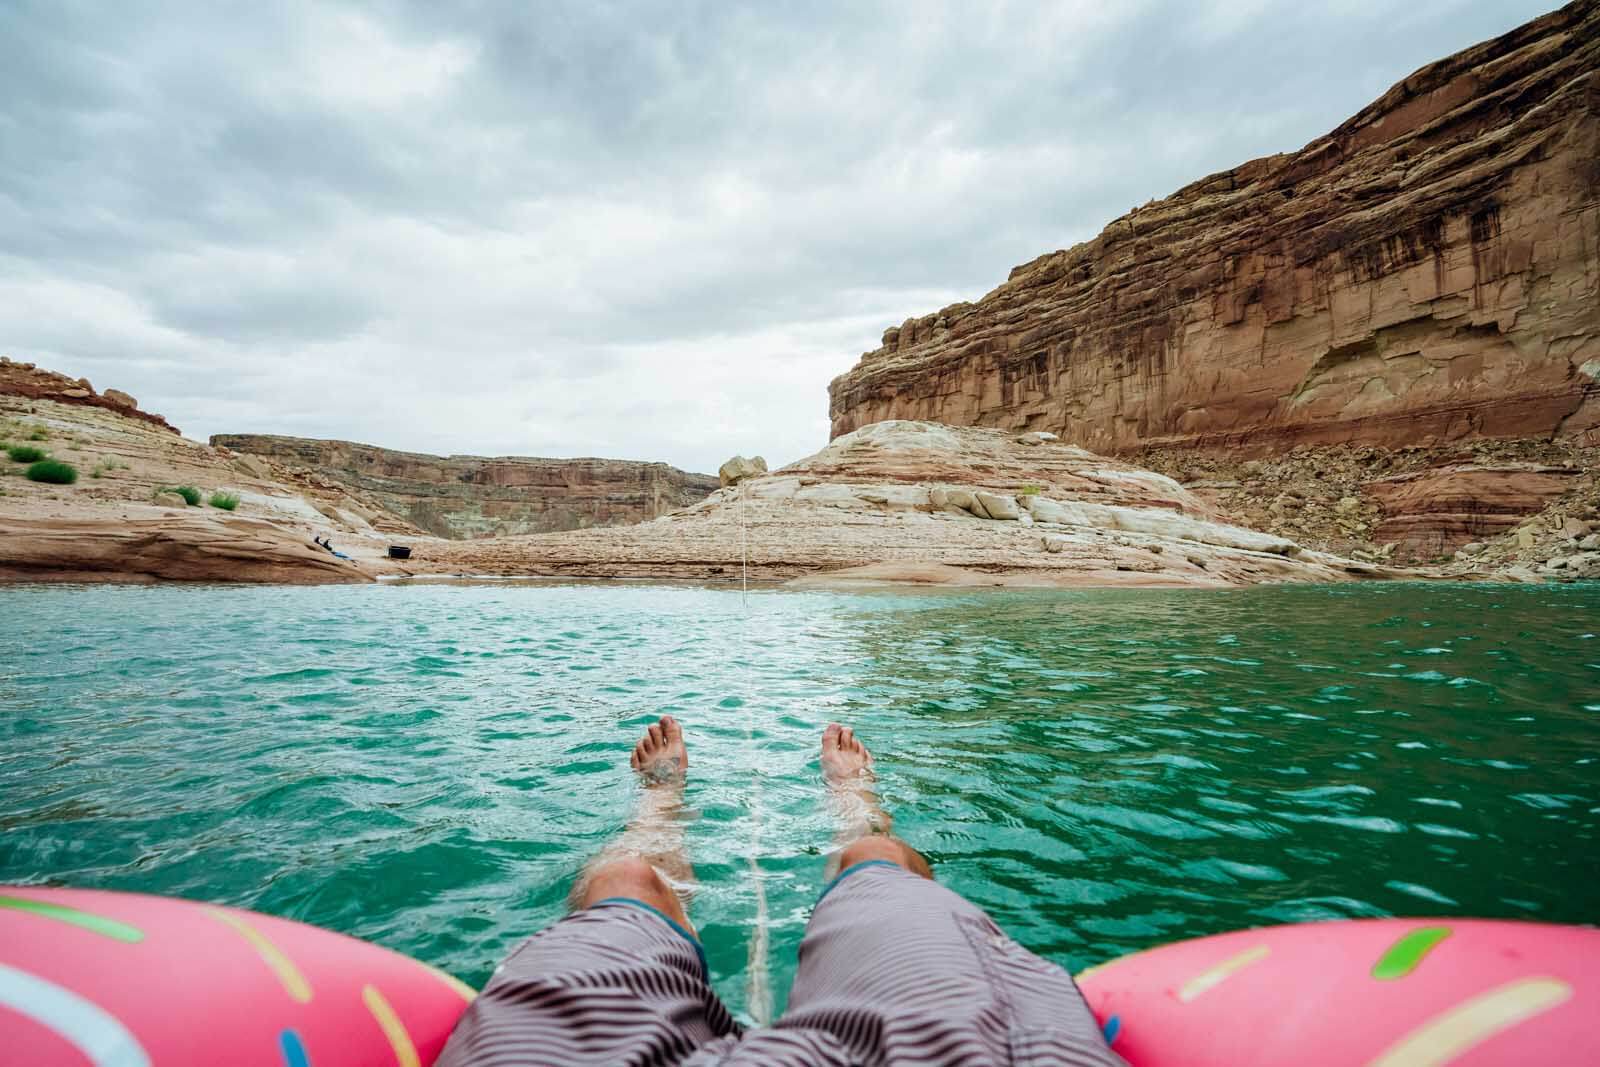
x=1435 y=512
x=1428 y=271
x=472 y=496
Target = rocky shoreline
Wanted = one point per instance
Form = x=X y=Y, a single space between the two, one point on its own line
x=909 y=502
x=897 y=502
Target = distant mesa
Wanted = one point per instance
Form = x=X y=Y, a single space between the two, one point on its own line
x=476 y=496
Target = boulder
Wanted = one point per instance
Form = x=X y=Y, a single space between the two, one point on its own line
x=1055 y=542
x=168 y=499
x=1471 y=548
x=997 y=506
x=960 y=498
x=119 y=398
x=739 y=469
x=1044 y=509
x=1590 y=543
x=1586 y=565
x=252 y=466
x=1037 y=437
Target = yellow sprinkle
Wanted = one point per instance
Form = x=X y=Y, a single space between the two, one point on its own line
x=1208 y=980
x=405 y=1053
x=468 y=994
x=294 y=983
x=1450 y=1033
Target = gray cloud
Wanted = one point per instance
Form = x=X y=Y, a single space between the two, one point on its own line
x=646 y=229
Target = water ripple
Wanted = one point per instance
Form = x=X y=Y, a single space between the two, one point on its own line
x=428 y=767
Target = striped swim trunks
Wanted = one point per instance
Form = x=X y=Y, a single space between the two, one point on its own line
x=894 y=969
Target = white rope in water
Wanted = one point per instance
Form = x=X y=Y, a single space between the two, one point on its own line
x=758 y=976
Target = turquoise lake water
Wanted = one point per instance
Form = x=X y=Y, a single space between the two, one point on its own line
x=428 y=766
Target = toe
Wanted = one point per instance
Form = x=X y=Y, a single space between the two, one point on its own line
x=830 y=736
x=654 y=734
x=670 y=730
x=847 y=740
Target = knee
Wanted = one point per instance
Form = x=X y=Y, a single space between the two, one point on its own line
x=634 y=878
x=628 y=876
x=889 y=849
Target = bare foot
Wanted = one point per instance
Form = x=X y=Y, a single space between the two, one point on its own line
x=844 y=756
x=655 y=831
x=660 y=757
x=847 y=768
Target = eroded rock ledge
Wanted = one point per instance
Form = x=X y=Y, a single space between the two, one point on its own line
x=34 y=383
x=921 y=502
x=1428 y=271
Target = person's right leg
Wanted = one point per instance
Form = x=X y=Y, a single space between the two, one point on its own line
x=896 y=968
x=623 y=978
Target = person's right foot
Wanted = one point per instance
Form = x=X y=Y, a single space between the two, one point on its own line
x=844 y=757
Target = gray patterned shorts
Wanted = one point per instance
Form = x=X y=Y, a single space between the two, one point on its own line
x=893 y=969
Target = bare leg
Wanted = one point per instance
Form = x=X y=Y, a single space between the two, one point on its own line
x=650 y=860
x=863 y=832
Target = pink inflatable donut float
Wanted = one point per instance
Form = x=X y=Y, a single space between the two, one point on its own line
x=1362 y=993
x=124 y=980
x=101 y=979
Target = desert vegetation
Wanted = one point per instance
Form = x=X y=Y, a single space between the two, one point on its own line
x=53 y=472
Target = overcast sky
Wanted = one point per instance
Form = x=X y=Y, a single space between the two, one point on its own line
x=647 y=231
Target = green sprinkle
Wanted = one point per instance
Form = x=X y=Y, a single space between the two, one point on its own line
x=1405 y=954
x=111 y=928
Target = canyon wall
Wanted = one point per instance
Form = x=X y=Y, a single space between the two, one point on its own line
x=475 y=496
x=1427 y=272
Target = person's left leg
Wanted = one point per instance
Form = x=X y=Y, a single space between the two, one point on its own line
x=623 y=978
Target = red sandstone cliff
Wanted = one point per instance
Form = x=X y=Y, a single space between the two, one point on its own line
x=1428 y=271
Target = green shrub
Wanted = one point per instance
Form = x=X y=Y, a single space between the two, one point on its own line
x=53 y=471
x=39 y=434
x=1030 y=490
x=225 y=501
x=24 y=453
x=190 y=494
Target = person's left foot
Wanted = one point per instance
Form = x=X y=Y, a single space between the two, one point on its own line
x=660 y=756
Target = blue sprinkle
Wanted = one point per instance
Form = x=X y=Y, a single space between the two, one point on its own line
x=1112 y=1028
x=294 y=1053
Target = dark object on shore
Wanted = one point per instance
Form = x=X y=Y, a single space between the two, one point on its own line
x=399 y=551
